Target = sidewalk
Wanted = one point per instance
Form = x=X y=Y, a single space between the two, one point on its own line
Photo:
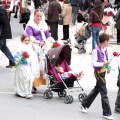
x=78 y=61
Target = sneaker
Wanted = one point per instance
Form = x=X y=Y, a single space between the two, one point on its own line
x=83 y=109
x=29 y=96
x=108 y=117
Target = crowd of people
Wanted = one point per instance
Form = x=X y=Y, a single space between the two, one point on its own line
x=40 y=22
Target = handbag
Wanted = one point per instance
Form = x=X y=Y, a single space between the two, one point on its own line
x=60 y=21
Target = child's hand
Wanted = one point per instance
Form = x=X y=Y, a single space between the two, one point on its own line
x=108 y=71
x=106 y=63
x=17 y=60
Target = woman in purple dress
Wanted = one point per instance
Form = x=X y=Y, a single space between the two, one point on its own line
x=38 y=32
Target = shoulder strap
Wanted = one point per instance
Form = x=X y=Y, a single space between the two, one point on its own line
x=97 y=15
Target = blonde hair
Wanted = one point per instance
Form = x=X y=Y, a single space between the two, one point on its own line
x=37 y=10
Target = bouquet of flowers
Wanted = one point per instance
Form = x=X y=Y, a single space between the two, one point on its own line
x=55 y=44
x=25 y=55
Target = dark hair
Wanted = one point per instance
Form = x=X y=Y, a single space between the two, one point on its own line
x=23 y=37
x=105 y=13
x=98 y=6
x=66 y=1
x=103 y=37
x=108 y=5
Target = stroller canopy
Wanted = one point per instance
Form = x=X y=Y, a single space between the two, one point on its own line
x=63 y=52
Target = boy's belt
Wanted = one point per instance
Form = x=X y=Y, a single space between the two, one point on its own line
x=101 y=70
x=96 y=72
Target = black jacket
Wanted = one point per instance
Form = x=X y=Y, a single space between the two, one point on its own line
x=83 y=7
x=74 y=2
x=5 y=25
x=37 y=3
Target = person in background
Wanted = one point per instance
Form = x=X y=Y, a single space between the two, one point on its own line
x=117 y=3
x=111 y=13
x=74 y=4
x=117 y=102
x=5 y=33
x=8 y=4
x=83 y=8
x=37 y=3
x=45 y=7
x=53 y=16
x=117 y=25
x=105 y=2
x=67 y=19
x=26 y=8
x=95 y=18
x=106 y=24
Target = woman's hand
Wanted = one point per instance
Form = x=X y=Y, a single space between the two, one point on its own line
x=42 y=44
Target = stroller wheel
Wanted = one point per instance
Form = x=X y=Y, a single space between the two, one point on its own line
x=79 y=51
x=62 y=94
x=48 y=94
x=84 y=51
x=80 y=97
x=85 y=95
x=66 y=99
x=71 y=99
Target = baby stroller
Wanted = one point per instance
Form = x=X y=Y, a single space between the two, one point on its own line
x=82 y=36
x=55 y=82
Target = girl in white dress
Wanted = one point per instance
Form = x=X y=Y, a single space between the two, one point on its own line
x=27 y=70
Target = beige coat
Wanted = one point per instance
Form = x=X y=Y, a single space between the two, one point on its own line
x=67 y=14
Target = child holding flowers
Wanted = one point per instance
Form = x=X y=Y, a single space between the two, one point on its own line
x=27 y=68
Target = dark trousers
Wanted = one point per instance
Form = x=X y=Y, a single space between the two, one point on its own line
x=65 y=32
x=117 y=103
x=6 y=51
x=99 y=88
x=118 y=36
x=54 y=30
x=74 y=14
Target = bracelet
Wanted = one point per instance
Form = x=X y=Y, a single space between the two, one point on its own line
x=39 y=44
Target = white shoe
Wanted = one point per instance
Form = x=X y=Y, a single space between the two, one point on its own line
x=83 y=109
x=108 y=117
x=29 y=96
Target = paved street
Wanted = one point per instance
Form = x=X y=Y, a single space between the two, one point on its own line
x=15 y=108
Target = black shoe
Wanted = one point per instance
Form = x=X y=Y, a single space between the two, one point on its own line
x=15 y=16
x=10 y=66
x=116 y=111
x=65 y=42
x=118 y=43
x=62 y=39
x=34 y=90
